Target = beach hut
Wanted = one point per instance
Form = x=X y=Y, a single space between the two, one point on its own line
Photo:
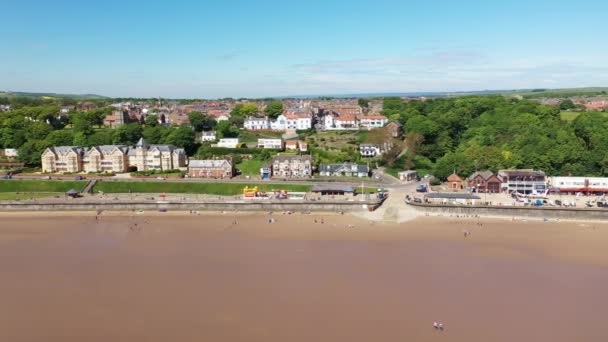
x=72 y=193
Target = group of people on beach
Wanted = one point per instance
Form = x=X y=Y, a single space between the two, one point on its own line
x=438 y=326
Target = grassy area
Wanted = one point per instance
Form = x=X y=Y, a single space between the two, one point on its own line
x=367 y=189
x=18 y=185
x=570 y=116
x=12 y=196
x=250 y=167
x=335 y=140
x=253 y=136
x=393 y=171
x=225 y=189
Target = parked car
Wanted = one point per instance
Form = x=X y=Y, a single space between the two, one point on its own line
x=421 y=188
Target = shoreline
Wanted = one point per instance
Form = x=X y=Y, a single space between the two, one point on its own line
x=369 y=217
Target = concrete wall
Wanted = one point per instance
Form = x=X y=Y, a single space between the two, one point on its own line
x=214 y=206
x=529 y=212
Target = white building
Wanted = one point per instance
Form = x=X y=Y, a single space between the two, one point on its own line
x=280 y=124
x=256 y=124
x=291 y=121
x=369 y=150
x=292 y=166
x=579 y=184
x=372 y=121
x=333 y=121
x=523 y=181
x=11 y=153
x=298 y=121
x=346 y=169
x=276 y=144
x=208 y=136
x=228 y=143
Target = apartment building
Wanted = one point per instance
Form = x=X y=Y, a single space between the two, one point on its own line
x=292 y=166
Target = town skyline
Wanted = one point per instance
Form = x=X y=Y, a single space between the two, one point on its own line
x=272 y=49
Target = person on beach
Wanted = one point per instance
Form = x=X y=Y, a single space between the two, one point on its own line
x=435 y=325
x=441 y=326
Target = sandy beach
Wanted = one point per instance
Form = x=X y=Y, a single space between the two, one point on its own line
x=260 y=277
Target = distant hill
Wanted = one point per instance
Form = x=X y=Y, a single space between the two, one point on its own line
x=563 y=92
x=50 y=95
x=526 y=93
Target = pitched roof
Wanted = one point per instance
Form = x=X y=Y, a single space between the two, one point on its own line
x=454 y=178
x=343 y=167
x=141 y=143
x=208 y=163
x=333 y=188
x=346 y=118
x=66 y=149
x=484 y=174
x=289 y=158
x=373 y=117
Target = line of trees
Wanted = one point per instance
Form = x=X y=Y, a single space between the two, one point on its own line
x=494 y=132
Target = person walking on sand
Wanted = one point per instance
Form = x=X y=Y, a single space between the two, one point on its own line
x=441 y=326
x=436 y=325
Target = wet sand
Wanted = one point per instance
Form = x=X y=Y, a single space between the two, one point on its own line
x=239 y=278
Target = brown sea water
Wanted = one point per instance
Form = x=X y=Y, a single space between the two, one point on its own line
x=205 y=278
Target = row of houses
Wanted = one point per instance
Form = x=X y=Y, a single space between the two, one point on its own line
x=521 y=181
x=113 y=158
x=284 y=122
x=280 y=166
x=527 y=182
x=328 y=120
x=267 y=143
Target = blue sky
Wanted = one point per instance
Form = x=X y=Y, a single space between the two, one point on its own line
x=210 y=49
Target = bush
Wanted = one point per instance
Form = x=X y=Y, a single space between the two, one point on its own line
x=434 y=181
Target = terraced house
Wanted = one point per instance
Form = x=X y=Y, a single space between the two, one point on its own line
x=211 y=168
x=112 y=158
x=106 y=158
x=62 y=159
x=292 y=166
x=146 y=157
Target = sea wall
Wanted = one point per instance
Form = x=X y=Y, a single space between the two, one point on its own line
x=287 y=205
x=576 y=214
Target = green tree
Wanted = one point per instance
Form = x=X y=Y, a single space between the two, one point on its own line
x=60 y=138
x=201 y=122
x=225 y=129
x=81 y=123
x=38 y=130
x=127 y=134
x=151 y=120
x=100 y=137
x=80 y=139
x=155 y=134
x=31 y=151
x=183 y=136
x=567 y=104
x=274 y=109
